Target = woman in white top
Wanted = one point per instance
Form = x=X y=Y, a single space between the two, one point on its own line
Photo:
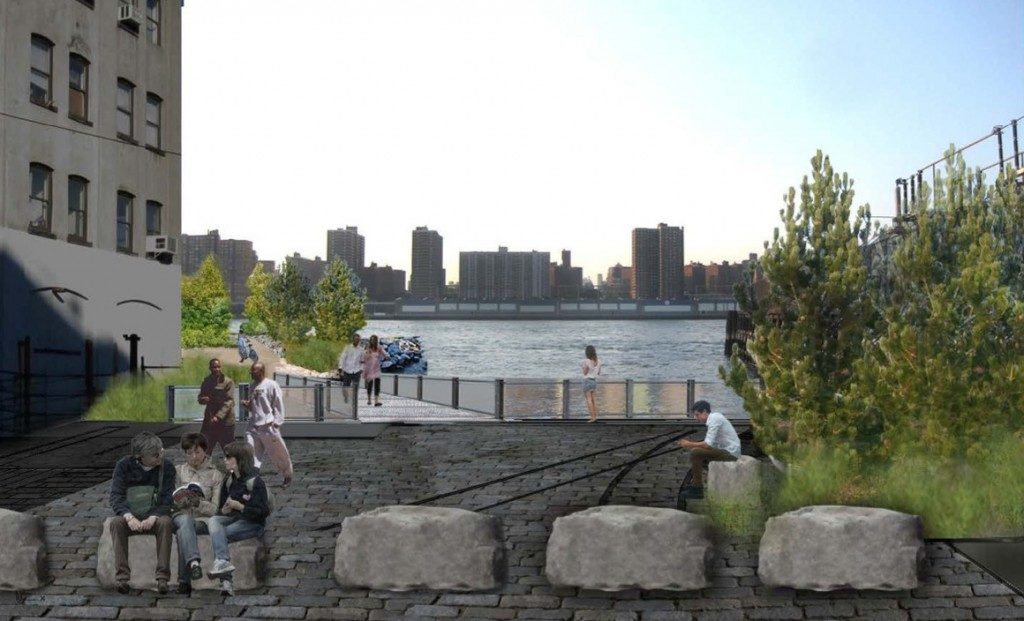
x=591 y=369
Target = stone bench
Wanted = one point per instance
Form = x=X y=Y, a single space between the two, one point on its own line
x=823 y=548
x=23 y=556
x=399 y=548
x=249 y=557
x=741 y=482
x=616 y=547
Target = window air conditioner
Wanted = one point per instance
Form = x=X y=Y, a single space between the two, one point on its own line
x=129 y=13
x=161 y=247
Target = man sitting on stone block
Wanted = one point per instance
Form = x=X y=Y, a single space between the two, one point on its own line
x=192 y=510
x=140 y=495
x=720 y=444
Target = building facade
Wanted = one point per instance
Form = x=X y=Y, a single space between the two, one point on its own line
x=427 y=279
x=619 y=281
x=658 y=256
x=90 y=183
x=566 y=280
x=382 y=283
x=504 y=275
x=235 y=257
x=348 y=245
x=312 y=269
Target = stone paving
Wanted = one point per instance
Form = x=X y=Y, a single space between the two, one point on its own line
x=336 y=478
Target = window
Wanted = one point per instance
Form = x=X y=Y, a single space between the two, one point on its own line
x=78 y=208
x=78 y=85
x=153 y=21
x=40 y=79
x=153 y=104
x=153 y=211
x=89 y=3
x=125 y=203
x=125 y=108
x=40 y=198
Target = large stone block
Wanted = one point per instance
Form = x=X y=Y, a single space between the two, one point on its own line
x=23 y=556
x=248 y=556
x=619 y=547
x=743 y=481
x=824 y=548
x=410 y=547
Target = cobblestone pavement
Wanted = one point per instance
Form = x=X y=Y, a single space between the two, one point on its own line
x=337 y=478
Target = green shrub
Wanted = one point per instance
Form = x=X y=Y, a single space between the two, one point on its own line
x=314 y=354
x=144 y=399
x=205 y=337
x=253 y=327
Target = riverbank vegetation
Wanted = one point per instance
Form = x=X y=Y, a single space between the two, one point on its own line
x=891 y=370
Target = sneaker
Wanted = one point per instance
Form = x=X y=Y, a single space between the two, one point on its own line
x=221 y=566
x=287 y=482
x=225 y=588
x=184 y=588
x=123 y=588
x=161 y=587
x=378 y=404
x=195 y=570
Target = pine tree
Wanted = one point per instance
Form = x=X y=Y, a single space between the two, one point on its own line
x=256 y=306
x=338 y=303
x=205 y=307
x=289 y=304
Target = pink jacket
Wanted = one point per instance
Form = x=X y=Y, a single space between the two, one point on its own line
x=371 y=363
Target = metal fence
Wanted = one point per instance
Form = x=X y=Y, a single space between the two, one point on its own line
x=316 y=399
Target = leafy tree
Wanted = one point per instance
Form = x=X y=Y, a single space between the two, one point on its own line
x=205 y=307
x=257 y=309
x=289 y=304
x=811 y=323
x=338 y=303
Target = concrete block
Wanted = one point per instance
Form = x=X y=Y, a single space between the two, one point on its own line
x=400 y=548
x=23 y=560
x=620 y=547
x=249 y=557
x=823 y=548
x=743 y=481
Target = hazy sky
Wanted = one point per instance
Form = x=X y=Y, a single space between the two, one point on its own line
x=550 y=124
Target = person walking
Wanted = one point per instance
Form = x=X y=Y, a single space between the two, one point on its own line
x=591 y=369
x=720 y=444
x=244 y=507
x=266 y=415
x=372 y=357
x=217 y=393
x=350 y=367
x=140 y=495
x=193 y=511
x=243 y=347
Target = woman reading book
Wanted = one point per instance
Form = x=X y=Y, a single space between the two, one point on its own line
x=196 y=499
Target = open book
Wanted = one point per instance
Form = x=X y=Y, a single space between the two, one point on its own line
x=187 y=492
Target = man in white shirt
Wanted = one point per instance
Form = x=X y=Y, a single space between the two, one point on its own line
x=350 y=366
x=720 y=444
x=266 y=415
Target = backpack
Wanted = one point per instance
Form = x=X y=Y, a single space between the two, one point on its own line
x=250 y=482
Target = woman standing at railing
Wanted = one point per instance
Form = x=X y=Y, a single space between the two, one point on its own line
x=372 y=358
x=591 y=369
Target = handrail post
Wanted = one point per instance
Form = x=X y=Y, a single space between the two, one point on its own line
x=355 y=401
x=318 y=403
x=287 y=380
x=691 y=389
x=455 y=393
x=243 y=395
x=169 y=398
x=327 y=398
x=395 y=391
x=419 y=387
x=565 y=398
x=629 y=398
x=305 y=380
x=499 y=398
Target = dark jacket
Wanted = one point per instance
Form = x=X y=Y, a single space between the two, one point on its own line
x=256 y=506
x=222 y=400
x=129 y=472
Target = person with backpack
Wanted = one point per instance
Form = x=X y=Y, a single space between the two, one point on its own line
x=245 y=503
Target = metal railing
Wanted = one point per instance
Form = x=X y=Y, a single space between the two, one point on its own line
x=316 y=399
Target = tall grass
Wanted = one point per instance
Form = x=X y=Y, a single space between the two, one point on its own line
x=315 y=354
x=983 y=497
x=144 y=399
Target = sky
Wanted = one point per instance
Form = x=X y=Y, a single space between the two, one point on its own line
x=554 y=124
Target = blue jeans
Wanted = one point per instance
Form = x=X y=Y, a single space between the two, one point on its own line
x=188 y=531
x=223 y=529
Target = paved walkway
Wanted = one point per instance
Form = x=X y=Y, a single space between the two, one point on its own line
x=337 y=478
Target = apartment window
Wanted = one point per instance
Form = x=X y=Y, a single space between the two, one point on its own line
x=40 y=198
x=153 y=215
x=78 y=208
x=153 y=21
x=125 y=203
x=78 y=85
x=153 y=105
x=125 y=108
x=89 y=3
x=41 y=75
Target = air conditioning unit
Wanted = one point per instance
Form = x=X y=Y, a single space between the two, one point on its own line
x=161 y=247
x=129 y=13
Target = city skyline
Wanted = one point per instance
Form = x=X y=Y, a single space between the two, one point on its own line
x=693 y=113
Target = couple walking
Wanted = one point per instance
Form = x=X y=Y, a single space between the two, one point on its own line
x=355 y=361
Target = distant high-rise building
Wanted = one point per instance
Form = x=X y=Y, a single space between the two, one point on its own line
x=657 y=263
x=235 y=257
x=504 y=275
x=382 y=283
x=427 y=278
x=695 y=276
x=718 y=278
x=268 y=266
x=312 y=269
x=566 y=280
x=348 y=245
x=619 y=281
